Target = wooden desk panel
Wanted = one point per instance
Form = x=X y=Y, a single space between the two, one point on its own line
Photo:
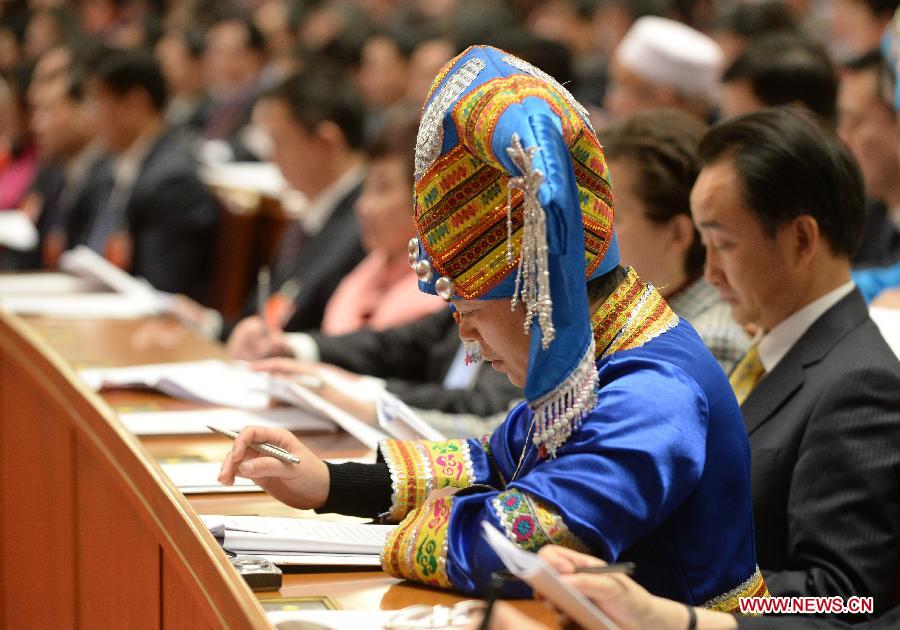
x=181 y=567
x=88 y=518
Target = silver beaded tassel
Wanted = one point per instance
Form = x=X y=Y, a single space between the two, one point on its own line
x=559 y=414
x=533 y=276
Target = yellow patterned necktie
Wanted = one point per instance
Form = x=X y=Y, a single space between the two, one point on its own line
x=746 y=374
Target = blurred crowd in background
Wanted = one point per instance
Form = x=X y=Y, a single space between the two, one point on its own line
x=107 y=107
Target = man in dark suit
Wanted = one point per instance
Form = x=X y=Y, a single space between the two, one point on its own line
x=315 y=120
x=779 y=204
x=158 y=220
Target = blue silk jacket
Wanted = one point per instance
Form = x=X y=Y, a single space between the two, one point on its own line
x=658 y=473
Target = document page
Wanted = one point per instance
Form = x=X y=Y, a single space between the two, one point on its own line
x=17 y=231
x=401 y=422
x=540 y=576
x=304 y=398
x=214 y=382
x=249 y=534
x=201 y=478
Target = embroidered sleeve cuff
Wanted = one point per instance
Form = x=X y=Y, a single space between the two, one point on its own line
x=417 y=467
x=417 y=548
x=532 y=523
x=358 y=489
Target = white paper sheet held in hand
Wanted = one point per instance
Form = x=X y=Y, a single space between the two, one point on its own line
x=214 y=382
x=303 y=398
x=544 y=579
x=252 y=534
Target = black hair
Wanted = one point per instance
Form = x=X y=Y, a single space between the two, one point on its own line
x=662 y=145
x=323 y=92
x=785 y=68
x=122 y=71
x=753 y=19
x=255 y=39
x=880 y=8
x=791 y=166
x=601 y=287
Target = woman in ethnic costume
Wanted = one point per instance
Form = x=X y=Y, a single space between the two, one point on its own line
x=630 y=445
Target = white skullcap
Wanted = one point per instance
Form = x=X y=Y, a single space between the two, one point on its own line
x=666 y=52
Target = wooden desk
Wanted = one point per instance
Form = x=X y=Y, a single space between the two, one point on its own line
x=93 y=533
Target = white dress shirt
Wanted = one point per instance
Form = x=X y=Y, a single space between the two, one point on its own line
x=778 y=341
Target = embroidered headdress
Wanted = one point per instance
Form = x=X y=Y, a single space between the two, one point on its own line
x=513 y=200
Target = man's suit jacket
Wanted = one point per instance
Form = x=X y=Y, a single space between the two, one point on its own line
x=824 y=429
x=322 y=262
x=171 y=218
x=415 y=359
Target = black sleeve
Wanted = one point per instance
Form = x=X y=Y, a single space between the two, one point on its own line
x=491 y=393
x=403 y=352
x=358 y=489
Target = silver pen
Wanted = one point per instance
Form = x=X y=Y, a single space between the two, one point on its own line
x=263 y=447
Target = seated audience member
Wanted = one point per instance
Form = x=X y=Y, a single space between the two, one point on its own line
x=180 y=55
x=858 y=25
x=743 y=22
x=781 y=69
x=663 y=63
x=158 y=220
x=428 y=57
x=383 y=77
x=381 y=290
x=653 y=160
x=315 y=120
x=630 y=606
x=233 y=60
x=18 y=153
x=73 y=177
x=868 y=125
x=779 y=203
x=596 y=460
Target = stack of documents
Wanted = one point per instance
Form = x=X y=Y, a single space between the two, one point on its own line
x=233 y=385
x=127 y=297
x=300 y=541
x=202 y=478
x=213 y=382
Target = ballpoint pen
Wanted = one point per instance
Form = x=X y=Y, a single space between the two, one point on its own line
x=627 y=568
x=263 y=447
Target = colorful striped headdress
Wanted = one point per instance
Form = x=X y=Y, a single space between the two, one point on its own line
x=513 y=200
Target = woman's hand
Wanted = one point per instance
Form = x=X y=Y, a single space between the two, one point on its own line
x=303 y=486
x=251 y=339
x=625 y=601
x=339 y=387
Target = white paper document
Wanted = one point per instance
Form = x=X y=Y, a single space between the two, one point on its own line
x=401 y=422
x=213 y=382
x=45 y=283
x=195 y=422
x=83 y=306
x=255 y=535
x=303 y=398
x=17 y=231
x=544 y=579
x=201 y=478
x=888 y=321
x=86 y=263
